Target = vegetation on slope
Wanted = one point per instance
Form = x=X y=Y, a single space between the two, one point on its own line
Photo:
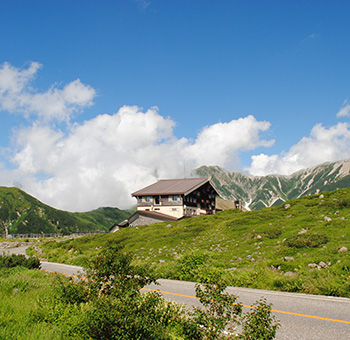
x=263 y=191
x=21 y=213
x=109 y=305
x=294 y=247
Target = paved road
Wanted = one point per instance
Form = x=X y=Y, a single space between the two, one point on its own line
x=302 y=317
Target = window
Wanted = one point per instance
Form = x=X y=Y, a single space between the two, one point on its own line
x=175 y=198
x=148 y=199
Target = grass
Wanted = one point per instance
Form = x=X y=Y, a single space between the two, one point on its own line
x=267 y=249
x=21 y=291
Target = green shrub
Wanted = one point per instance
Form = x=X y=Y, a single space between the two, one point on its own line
x=271 y=233
x=10 y=261
x=259 y=324
x=306 y=240
x=189 y=264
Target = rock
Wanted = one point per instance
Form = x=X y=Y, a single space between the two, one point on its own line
x=322 y=264
x=288 y=258
x=239 y=259
x=303 y=231
x=343 y=250
x=321 y=196
x=259 y=237
x=287 y=206
x=169 y=225
x=336 y=213
x=161 y=261
x=327 y=219
x=312 y=265
x=290 y=274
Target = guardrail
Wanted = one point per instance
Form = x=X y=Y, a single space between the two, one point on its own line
x=41 y=235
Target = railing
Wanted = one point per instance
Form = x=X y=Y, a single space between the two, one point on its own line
x=41 y=235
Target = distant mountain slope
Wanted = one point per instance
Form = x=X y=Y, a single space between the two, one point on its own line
x=265 y=191
x=21 y=213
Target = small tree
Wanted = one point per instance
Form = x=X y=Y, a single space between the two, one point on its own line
x=221 y=310
x=259 y=324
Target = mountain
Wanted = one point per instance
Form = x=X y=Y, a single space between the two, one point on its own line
x=257 y=192
x=21 y=213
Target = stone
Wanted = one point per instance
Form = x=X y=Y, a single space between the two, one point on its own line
x=288 y=258
x=161 y=261
x=169 y=226
x=343 y=250
x=327 y=219
x=259 y=237
x=303 y=231
x=239 y=259
x=312 y=265
x=290 y=274
x=321 y=196
x=322 y=264
x=287 y=206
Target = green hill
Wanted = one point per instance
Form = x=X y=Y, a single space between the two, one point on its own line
x=293 y=247
x=21 y=213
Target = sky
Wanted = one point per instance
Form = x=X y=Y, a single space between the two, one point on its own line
x=101 y=98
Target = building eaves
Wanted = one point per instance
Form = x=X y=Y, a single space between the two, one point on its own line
x=172 y=187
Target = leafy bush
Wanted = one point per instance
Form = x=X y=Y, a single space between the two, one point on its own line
x=259 y=324
x=188 y=265
x=306 y=240
x=271 y=233
x=19 y=260
x=221 y=310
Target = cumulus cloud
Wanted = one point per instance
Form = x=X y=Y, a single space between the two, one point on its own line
x=219 y=144
x=103 y=160
x=323 y=144
x=17 y=95
x=344 y=111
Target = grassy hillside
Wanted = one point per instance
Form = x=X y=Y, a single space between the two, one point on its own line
x=292 y=247
x=21 y=213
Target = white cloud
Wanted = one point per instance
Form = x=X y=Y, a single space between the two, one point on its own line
x=220 y=143
x=323 y=144
x=103 y=160
x=17 y=95
x=344 y=111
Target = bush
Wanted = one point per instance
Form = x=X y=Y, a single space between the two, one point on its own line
x=259 y=324
x=306 y=240
x=19 y=260
x=188 y=265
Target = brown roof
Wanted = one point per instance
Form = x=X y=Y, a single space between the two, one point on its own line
x=172 y=187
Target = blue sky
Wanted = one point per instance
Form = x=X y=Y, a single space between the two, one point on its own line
x=99 y=98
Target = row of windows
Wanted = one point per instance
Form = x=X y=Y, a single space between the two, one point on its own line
x=156 y=199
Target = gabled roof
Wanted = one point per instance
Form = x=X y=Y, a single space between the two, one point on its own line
x=172 y=187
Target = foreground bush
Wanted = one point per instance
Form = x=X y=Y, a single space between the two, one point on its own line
x=108 y=304
x=11 y=261
x=118 y=309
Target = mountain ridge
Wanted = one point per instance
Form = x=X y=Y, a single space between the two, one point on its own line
x=21 y=213
x=257 y=192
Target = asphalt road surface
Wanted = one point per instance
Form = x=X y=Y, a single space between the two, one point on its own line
x=302 y=317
